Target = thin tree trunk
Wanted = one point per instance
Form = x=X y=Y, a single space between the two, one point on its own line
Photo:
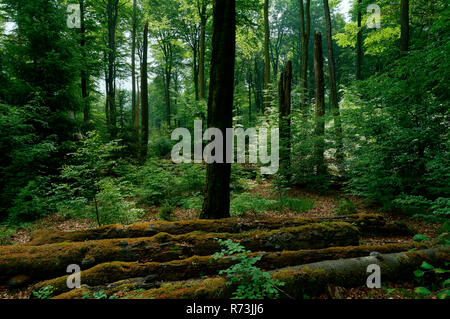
x=305 y=35
x=404 y=23
x=144 y=93
x=196 y=72
x=201 y=67
x=112 y=12
x=266 y=55
x=319 y=147
x=135 y=118
x=220 y=106
x=284 y=92
x=84 y=76
x=359 y=52
x=333 y=88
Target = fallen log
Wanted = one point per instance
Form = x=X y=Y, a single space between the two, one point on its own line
x=50 y=261
x=367 y=224
x=310 y=279
x=199 y=266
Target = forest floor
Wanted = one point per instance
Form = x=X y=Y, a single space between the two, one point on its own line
x=325 y=205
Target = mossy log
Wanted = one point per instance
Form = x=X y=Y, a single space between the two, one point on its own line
x=367 y=224
x=311 y=279
x=198 y=266
x=50 y=261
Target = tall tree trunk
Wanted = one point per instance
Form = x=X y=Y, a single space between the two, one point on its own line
x=196 y=72
x=84 y=76
x=284 y=94
x=319 y=131
x=359 y=52
x=305 y=26
x=134 y=117
x=404 y=24
x=144 y=93
x=201 y=61
x=333 y=87
x=266 y=55
x=220 y=106
x=168 y=78
x=112 y=13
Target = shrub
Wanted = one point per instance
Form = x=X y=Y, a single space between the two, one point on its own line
x=251 y=281
x=345 y=207
x=165 y=213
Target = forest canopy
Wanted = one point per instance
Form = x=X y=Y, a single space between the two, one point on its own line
x=89 y=97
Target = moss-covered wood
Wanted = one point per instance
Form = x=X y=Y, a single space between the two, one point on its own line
x=49 y=261
x=311 y=279
x=198 y=266
x=368 y=224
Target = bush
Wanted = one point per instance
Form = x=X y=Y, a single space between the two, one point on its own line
x=164 y=183
x=251 y=281
x=161 y=147
x=246 y=203
x=345 y=207
x=165 y=213
x=32 y=201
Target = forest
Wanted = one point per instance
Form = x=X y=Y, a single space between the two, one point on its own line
x=119 y=178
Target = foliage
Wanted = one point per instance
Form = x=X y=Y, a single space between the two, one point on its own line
x=44 y=293
x=420 y=238
x=165 y=213
x=345 y=207
x=251 y=281
x=437 y=279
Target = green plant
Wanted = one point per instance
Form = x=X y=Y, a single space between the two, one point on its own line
x=436 y=278
x=97 y=295
x=91 y=163
x=165 y=213
x=244 y=203
x=251 y=281
x=44 y=293
x=5 y=235
x=345 y=207
x=420 y=238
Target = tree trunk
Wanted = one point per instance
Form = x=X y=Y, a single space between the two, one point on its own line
x=220 y=106
x=39 y=263
x=310 y=279
x=319 y=131
x=144 y=93
x=305 y=31
x=84 y=76
x=333 y=88
x=404 y=24
x=359 y=52
x=195 y=72
x=134 y=115
x=198 y=266
x=201 y=67
x=284 y=92
x=266 y=55
x=367 y=224
x=112 y=13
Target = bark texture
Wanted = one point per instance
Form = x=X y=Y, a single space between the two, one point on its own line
x=198 y=266
x=216 y=204
x=49 y=261
x=367 y=224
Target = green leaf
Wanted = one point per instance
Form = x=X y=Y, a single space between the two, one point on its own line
x=446 y=283
x=426 y=266
x=419 y=273
x=420 y=238
x=444 y=294
x=423 y=291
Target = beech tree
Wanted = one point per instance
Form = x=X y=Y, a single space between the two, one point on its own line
x=220 y=105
